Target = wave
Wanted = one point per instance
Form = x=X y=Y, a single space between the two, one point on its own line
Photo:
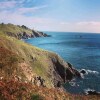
x=92 y=72
x=91 y=92
x=87 y=71
x=74 y=84
x=84 y=72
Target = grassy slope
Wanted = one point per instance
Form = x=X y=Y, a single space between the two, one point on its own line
x=15 y=90
x=13 y=29
x=24 y=60
x=30 y=56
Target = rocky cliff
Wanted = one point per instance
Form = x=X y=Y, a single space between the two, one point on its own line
x=20 y=32
x=26 y=62
x=30 y=73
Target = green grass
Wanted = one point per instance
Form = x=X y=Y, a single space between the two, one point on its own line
x=40 y=65
x=15 y=29
x=36 y=97
x=41 y=62
x=13 y=52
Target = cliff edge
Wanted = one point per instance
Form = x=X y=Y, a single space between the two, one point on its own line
x=23 y=60
x=20 y=32
x=31 y=73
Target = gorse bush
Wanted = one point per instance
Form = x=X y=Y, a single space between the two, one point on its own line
x=14 y=90
x=36 y=97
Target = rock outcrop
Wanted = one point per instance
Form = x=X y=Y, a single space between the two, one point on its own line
x=20 y=32
x=92 y=92
x=38 y=80
x=23 y=60
x=62 y=71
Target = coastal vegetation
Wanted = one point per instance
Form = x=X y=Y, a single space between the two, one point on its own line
x=30 y=73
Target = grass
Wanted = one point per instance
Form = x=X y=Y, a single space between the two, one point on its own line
x=36 y=97
x=15 y=90
x=15 y=29
x=36 y=58
x=19 y=58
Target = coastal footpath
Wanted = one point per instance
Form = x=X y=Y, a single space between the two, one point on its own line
x=22 y=64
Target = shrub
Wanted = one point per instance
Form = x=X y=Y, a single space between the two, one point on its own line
x=36 y=97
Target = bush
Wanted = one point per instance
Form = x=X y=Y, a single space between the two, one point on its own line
x=36 y=97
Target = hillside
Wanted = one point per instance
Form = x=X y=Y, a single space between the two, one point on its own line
x=27 y=64
x=15 y=90
x=21 y=59
x=20 y=32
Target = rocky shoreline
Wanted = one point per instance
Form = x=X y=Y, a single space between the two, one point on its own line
x=51 y=74
x=25 y=35
x=21 y=32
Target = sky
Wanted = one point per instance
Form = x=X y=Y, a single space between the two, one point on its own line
x=53 y=15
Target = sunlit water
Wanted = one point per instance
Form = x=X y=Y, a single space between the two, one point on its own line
x=82 y=50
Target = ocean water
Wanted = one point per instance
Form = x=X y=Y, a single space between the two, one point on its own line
x=82 y=50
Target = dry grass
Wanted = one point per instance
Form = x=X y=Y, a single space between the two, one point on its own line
x=15 y=90
x=24 y=60
x=15 y=29
x=38 y=60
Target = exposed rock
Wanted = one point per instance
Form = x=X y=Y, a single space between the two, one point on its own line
x=25 y=35
x=91 y=92
x=77 y=73
x=39 y=81
x=44 y=34
x=59 y=84
x=63 y=72
x=83 y=71
x=17 y=78
x=21 y=32
x=32 y=60
x=39 y=34
x=27 y=70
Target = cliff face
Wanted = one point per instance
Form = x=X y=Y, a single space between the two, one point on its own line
x=20 y=32
x=25 y=70
x=20 y=59
x=63 y=71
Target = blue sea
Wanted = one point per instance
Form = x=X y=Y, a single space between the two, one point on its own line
x=82 y=50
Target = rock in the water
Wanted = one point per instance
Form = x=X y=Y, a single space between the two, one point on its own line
x=83 y=71
x=91 y=92
x=63 y=71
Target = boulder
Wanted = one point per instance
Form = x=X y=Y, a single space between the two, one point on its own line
x=83 y=71
x=92 y=92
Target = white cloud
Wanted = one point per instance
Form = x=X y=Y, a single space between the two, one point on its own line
x=18 y=7
x=89 y=23
x=15 y=18
x=7 y=4
x=89 y=26
x=18 y=17
x=30 y=10
x=64 y=23
x=48 y=24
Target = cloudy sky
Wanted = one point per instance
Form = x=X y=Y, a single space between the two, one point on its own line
x=53 y=15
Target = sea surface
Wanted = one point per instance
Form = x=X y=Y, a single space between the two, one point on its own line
x=82 y=50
